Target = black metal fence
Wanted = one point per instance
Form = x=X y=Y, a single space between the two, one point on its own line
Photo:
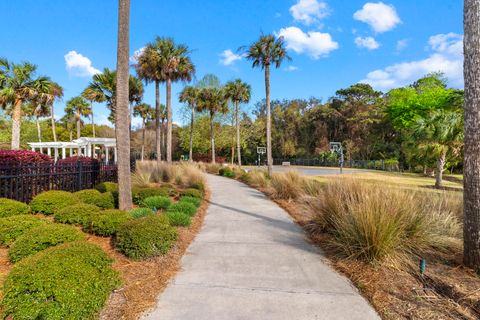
x=23 y=181
x=359 y=164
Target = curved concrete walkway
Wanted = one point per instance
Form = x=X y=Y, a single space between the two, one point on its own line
x=250 y=261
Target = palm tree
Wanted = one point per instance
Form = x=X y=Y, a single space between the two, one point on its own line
x=121 y=107
x=265 y=51
x=56 y=93
x=162 y=117
x=80 y=108
x=238 y=92
x=189 y=95
x=92 y=96
x=135 y=95
x=37 y=109
x=17 y=87
x=471 y=193
x=214 y=101
x=146 y=112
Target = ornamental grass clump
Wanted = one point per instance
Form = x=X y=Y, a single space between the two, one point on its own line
x=195 y=201
x=140 y=194
x=76 y=214
x=141 y=212
x=9 y=207
x=256 y=178
x=178 y=219
x=288 y=185
x=185 y=207
x=49 y=201
x=13 y=227
x=69 y=281
x=156 y=203
x=190 y=192
x=106 y=223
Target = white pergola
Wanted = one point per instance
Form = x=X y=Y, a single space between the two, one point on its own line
x=82 y=147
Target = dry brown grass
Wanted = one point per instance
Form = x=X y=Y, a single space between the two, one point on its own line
x=183 y=174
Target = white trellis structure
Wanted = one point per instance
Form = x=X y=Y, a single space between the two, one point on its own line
x=88 y=147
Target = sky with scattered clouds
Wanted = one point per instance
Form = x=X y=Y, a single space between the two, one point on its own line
x=333 y=44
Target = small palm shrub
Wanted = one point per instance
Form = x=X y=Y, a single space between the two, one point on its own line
x=42 y=237
x=69 y=281
x=106 y=223
x=156 y=203
x=288 y=185
x=141 y=194
x=93 y=196
x=145 y=237
x=49 y=201
x=195 y=201
x=9 y=207
x=178 y=219
x=76 y=214
x=185 y=207
x=141 y=212
x=190 y=192
x=13 y=227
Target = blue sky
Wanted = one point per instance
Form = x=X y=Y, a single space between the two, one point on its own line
x=333 y=43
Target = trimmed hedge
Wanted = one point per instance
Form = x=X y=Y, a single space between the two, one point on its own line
x=13 y=227
x=107 y=187
x=157 y=203
x=195 y=201
x=76 y=214
x=69 y=281
x=9 y=207
x=140 y=194
x=49 y=201
x=190 y=192
x=93 y=196
x=185 y=207
x=145 y=237
x=140 y=212
x=41 y=238
x=178 y=219
x=106 y=223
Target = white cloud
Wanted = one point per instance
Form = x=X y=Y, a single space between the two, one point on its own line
x=78 y=65
x=315 y=44
x=291 y=68
x=446 y=57
x=227 y=57
x=401 y=44
x=136 y=54
x=367 y=42
x=381 y=17
x=309 y=11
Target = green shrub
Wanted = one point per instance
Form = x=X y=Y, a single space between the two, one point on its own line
x=226 y=172
x=199 y=186
x=76 y=214
x=195 y=201
x=49 y=201
x=9 y=207
x=145 y=237
x=42 y=237
x=140 y=212
x=93 y=196
x=107 y=187
x=105 y=223
x=185 y=207
x=157 y=202
x=190 y=192
x=13 y=227
x=143 y=193
x=178 y=218
x=69 y=281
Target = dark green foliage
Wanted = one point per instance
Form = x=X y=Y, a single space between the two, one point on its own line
x=226 y=172
x=157 y=202
x=143 y=193
x=69 y=281
x=195 y=201
x=145 y=237
x=49 y=201
x=76 y=214
x=185 y=207
x=106 y=223
x=198 y=186
x=190 y=192
x=42 y=237
x=9 y=207
x=93 y=196
x=13 y=227
x=178 y=219
x=107 y=187
x=141 y=212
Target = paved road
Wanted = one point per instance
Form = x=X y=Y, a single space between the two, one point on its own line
x=250 y=261
x=311 y=171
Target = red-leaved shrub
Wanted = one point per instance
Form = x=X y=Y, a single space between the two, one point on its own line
x=13 y=157
x=76 y=159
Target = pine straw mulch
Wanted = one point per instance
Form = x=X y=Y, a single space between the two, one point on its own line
x=447 y=291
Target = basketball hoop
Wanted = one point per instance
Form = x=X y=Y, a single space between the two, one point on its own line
x=261 y=150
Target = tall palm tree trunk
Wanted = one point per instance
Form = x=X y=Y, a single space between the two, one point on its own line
x=39 y=130
x=143 y=139
x=233 y=139
x=269 y=121
x=169 y=120
x=439 y=172
x=78 y=124
x=16 y=124
x=212 y=137
x=192 y=119
x=54 y=131
x=238 y=134
x=471 y=182
x=93 y=120
x=158 y=142
x=122 y=115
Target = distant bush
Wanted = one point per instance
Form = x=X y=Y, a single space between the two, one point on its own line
x=42 y=237
x=226 y=172
x=14 y=157
x=13 y=227
x=69 y=281
x=106 y=223
x=157 y=203
x=9 y=207
x=49 y=201
x=145 y=237
x=93 y=196
x=212 y=168
x=143 y=193
x=76 y=214
x=177 y=218
x=195 y=201
x=140 y=212
x=185 y=207
x=77 y=159
x=190 y=192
